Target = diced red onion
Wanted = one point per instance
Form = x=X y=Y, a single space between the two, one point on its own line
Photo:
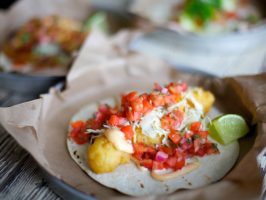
x=186 y=146
x=183 y=140
x=103 y=108
x=179 y=149
x=157 y=87
x=161 y=156
x=123 y=121
x=164 y=90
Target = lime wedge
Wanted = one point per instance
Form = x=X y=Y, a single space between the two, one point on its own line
x=228 y=128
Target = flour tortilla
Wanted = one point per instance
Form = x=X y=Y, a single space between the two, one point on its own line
x=129 y=179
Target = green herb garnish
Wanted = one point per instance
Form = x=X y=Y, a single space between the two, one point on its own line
x=201 y=11
x=25 y=37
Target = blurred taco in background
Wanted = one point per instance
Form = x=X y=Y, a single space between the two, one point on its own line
x=201 y=16
x=47 y=42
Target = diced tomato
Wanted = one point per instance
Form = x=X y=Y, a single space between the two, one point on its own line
x=203 y=134
x=170 y=99
x=94 y=124
x=132 y=96
x=78 y=132
x=147 y=107
x=174 y=136
x=127 y=98
x=172 y=120
x=172 y=88
x=187 y=135
x=103 y=108
x=157 y=165
x=180 y=162
x=79 y=137
x=142 y=151
x=176 y=88
x=196 y=144
x=178 y=116
x=183 y=86
x=128 y=131
x=175 y=162
x=139 y=147
x=157 y=99
x=77 y=124
x=115 y=111
x=201 y=152
x=144 y=96
x=99 y=116
x=195 y=126
x=148 y=163
x=171 y=162
x=166 y=149
x=157 y=87
x=104 y=112
x=179 y=152
x=116 y=120
x=166 y=122
x=187 y=144
x=138 y=155
x=136 y=106
x=133 y=116
x=211 y=148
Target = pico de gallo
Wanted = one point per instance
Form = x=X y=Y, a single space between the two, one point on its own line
x=161 y=130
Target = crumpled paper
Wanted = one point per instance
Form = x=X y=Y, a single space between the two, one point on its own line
x=106 y=68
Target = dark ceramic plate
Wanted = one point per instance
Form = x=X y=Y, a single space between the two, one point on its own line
x=64 y=190
x=26 y=87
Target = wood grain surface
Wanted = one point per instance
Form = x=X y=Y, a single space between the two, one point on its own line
x=20 y=176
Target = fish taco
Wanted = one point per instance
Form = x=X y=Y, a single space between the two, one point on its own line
x=151 y=143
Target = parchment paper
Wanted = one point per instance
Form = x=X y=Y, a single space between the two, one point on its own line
x=40 y=126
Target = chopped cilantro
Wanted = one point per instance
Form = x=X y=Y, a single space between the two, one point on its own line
x=25 y=37
x=202 y=11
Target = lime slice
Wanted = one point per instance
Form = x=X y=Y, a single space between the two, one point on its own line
x=228 y=128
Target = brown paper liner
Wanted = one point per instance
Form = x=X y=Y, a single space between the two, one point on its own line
x=41 y=126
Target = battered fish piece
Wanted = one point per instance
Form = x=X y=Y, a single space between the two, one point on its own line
x=103 y=157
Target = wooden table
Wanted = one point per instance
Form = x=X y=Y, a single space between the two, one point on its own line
x=20 y=176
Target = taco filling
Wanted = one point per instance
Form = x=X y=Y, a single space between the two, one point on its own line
x=151 y=143
x=163 y=131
